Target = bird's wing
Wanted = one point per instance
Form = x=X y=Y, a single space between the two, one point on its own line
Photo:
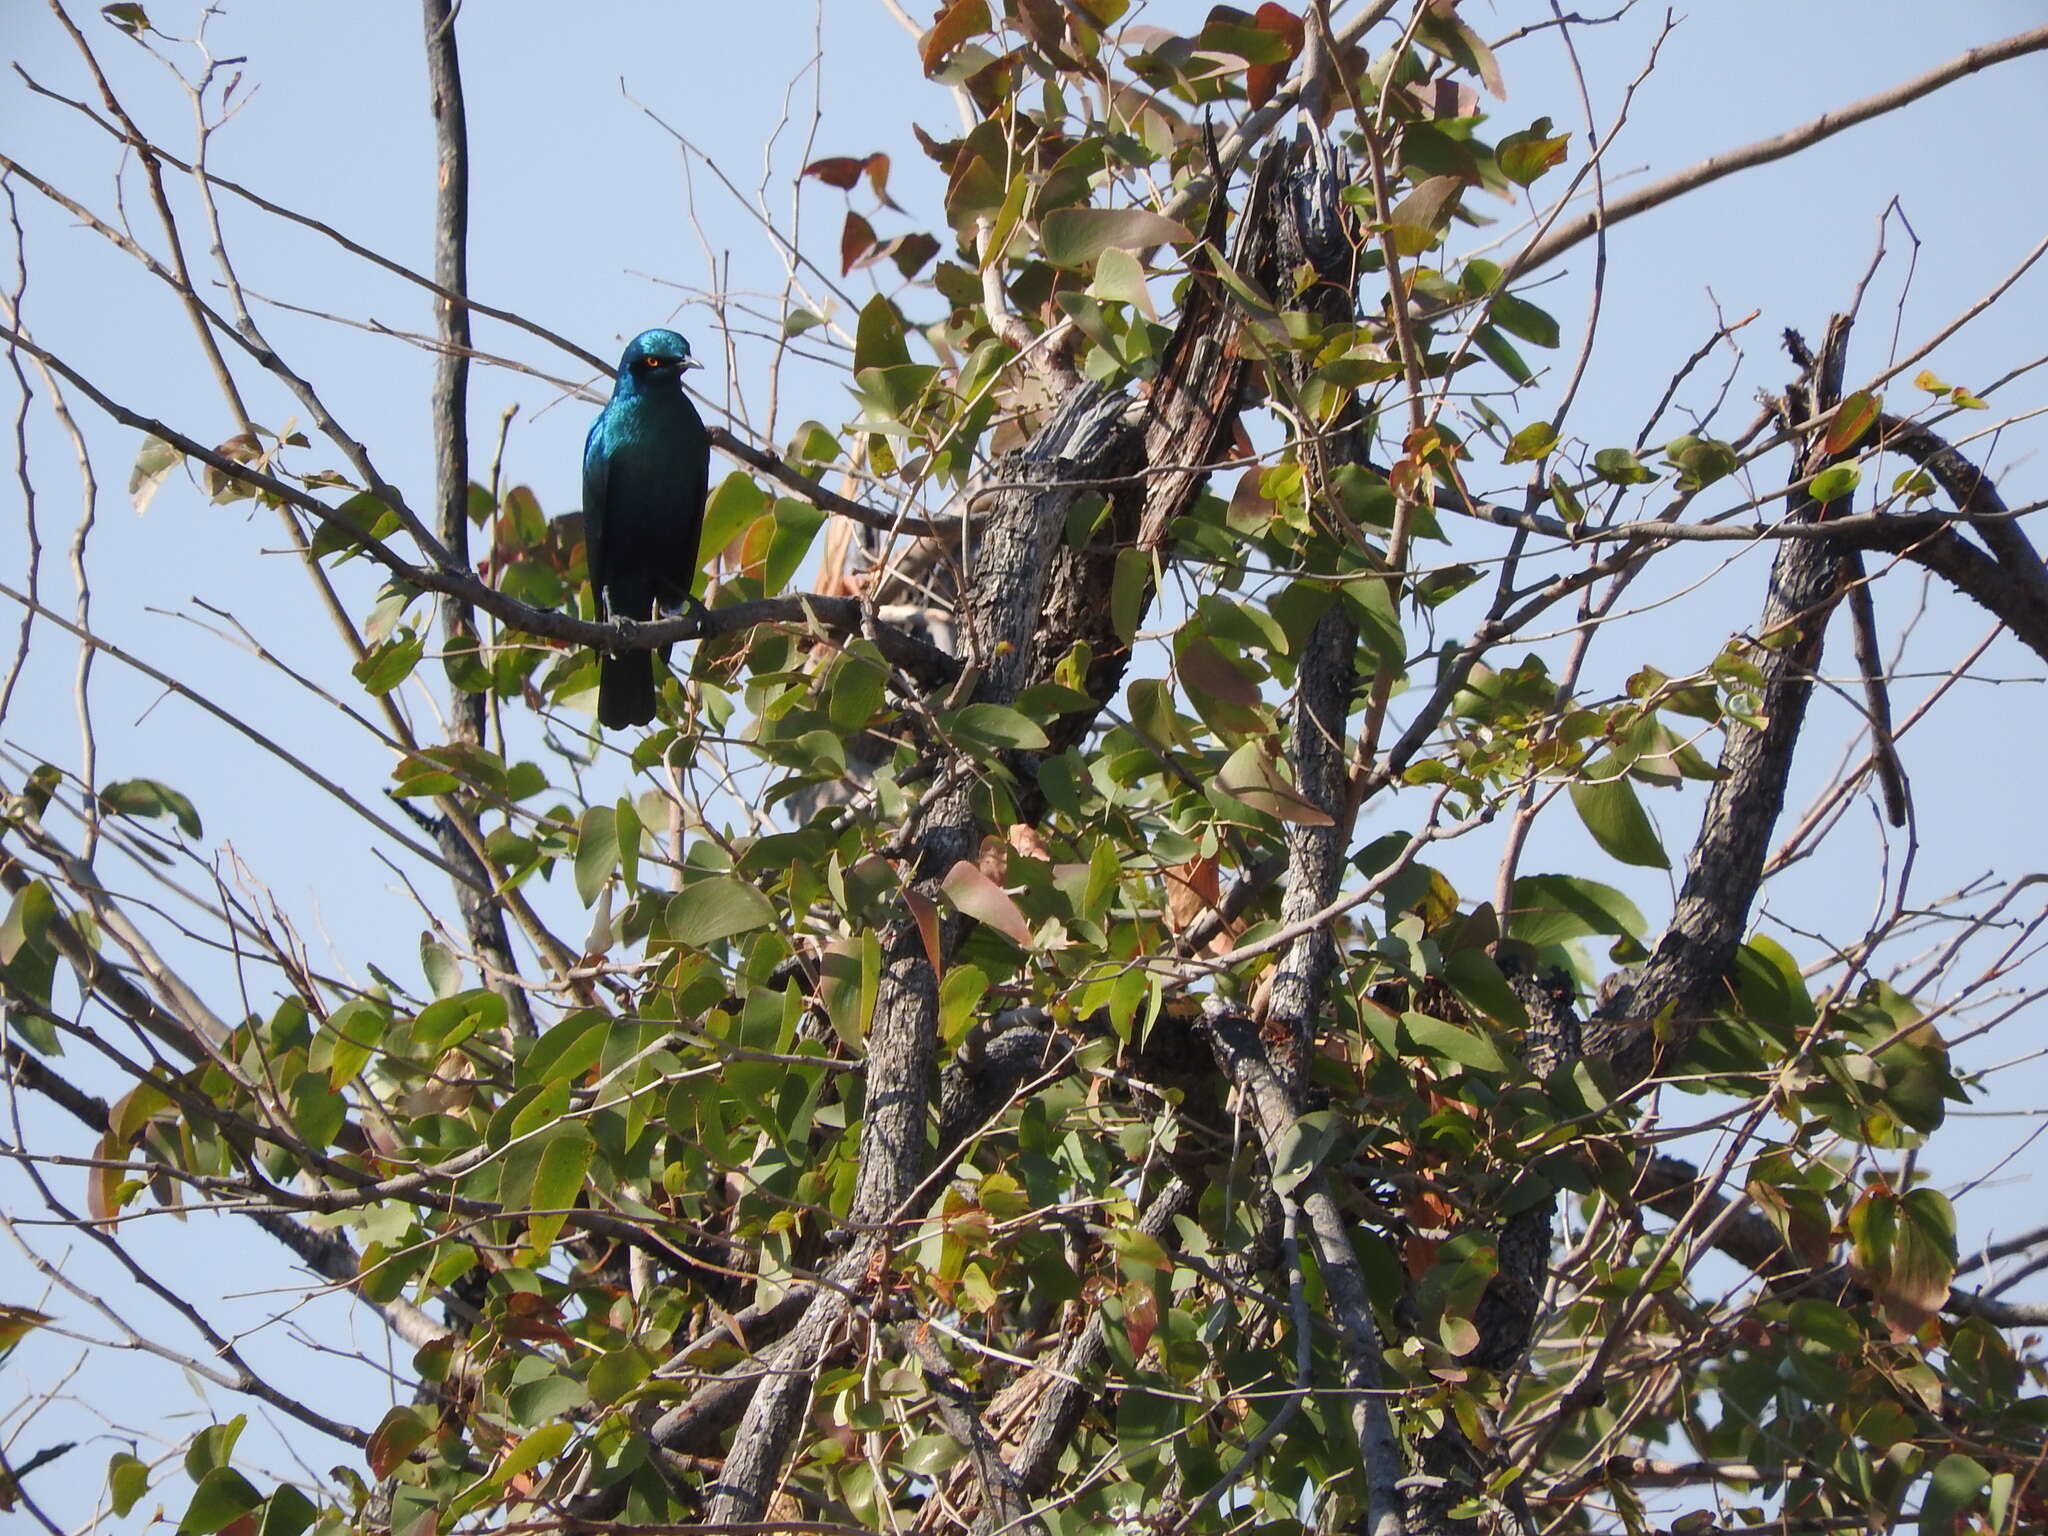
x=597 y=463
x=697 y=488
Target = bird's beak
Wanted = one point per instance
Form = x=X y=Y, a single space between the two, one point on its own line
x=688 y=363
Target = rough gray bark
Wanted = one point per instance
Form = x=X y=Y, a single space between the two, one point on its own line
x=1005 y=589
x=2007 y=580
x=1314 y=234
x=1151 y=477
x=1684 y=979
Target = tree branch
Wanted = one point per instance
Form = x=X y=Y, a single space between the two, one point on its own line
x=1763 y=151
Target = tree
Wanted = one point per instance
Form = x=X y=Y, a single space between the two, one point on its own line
x=1006 y=1083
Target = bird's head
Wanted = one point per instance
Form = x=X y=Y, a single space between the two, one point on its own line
x=655 y=360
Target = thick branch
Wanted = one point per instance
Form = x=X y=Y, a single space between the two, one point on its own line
x=1004 y=599
x=1683 y=981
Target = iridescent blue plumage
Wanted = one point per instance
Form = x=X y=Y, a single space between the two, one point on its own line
x=646 y=467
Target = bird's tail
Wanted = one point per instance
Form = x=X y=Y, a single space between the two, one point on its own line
x=625 y=689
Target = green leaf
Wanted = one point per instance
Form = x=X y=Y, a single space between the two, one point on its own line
x=389 y=664
x=150 y=797
x=212 y=1446
x=1452 y=1042
x=1250 y=775
x=1302 y=1148
x=1073 y=237
x=354 y=1029
x=1118 y=276
x=127 y=1481
x=1769 y=986
x=557 y=1181
x=854 y=687
x=1502 y=354
x=1525 y=156
x=878 y=339
x=612 y=1376
x=453 y=1019
x=929 y=1455
x=848 y=982
x=1549 y=909
x=796 y=525
x=440 y=966
x=1518 y=317
x=1951 y=1491
x=597 y=851
x=287 y=1513
x=626 y=829
x=1835 y=482
x=1482 y=988
x=1620 y=466
x=222 y=1497
x=1531 y=443
x=708 y=910
x=1607 y=804
x=317 y=1111
x=1130 y=587
x=549 y=1441
x=1701 y=461
x=568 y=1049
x=994 y=728
x=959 y=995
x=730 y=510
x=1422 y=215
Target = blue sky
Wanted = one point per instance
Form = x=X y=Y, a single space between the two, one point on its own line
x=583 y=221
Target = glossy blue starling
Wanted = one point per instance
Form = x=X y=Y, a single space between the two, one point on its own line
x=646 y=467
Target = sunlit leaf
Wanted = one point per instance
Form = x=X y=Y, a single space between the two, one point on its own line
x=1073 y=237
x=714 y=908
x=1607 y=804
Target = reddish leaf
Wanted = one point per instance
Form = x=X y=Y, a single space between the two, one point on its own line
x=1025 y=839
x=912 y=252
x=1141 y=1316
x=1045 y=25
x=877 y=168
x=856 y=243
x=1261 y=80
x=1249 y=775
x=926 y=914
x=394 y=1439
x=101 y=1182
x=840 y=171
x=956 y=21
x=1853 y=417
x=533 y=1317
x=980 y=897
x=1206 y=670
x=1193 y=889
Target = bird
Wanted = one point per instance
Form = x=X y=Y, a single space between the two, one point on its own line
x=646 y=469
